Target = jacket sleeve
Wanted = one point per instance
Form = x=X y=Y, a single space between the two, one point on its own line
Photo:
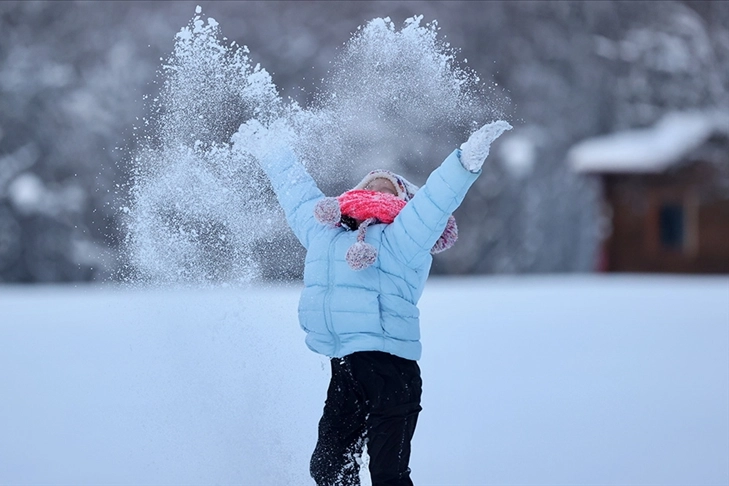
x=421 y=222
x=295 y=190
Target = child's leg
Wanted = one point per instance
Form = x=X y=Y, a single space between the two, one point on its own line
x=392 y=388
x=341 y=430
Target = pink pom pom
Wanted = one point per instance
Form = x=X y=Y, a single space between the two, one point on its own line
x=448 y=238
x=361 y=255
x=327 y=211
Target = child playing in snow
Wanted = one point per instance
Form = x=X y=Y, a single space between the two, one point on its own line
x=369 y=253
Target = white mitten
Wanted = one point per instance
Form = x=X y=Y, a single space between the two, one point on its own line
x=253 y=137
x=475 y=150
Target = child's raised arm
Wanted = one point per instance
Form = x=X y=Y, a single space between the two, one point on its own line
x=421 y=222
x=295 y=189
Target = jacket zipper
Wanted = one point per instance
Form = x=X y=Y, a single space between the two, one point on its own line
x=328 y=322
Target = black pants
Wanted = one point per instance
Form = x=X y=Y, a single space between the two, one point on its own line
x=373 y=397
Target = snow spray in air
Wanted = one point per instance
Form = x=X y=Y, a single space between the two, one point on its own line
x=203 y=212
x=393 y=99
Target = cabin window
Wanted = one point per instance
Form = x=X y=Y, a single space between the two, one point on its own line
x=672 y=226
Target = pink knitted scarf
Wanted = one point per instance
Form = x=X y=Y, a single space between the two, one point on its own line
x=371 y=207
x=362 y=205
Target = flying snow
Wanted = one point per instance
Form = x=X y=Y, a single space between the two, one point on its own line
x=202 y=211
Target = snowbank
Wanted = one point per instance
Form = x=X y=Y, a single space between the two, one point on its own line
x=529 y=381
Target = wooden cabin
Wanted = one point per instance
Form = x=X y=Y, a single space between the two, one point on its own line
x=666 y=194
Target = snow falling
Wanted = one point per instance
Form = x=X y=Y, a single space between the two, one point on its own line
x=202 y=212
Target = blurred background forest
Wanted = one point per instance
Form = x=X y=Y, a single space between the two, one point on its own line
x=74 y=77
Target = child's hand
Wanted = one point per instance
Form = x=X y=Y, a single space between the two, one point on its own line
x=251 y=138
x=258 y=140
x=475 y=150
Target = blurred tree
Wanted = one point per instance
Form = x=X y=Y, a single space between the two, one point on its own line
x=575 y=70
x=74 y=77
x=70 y=78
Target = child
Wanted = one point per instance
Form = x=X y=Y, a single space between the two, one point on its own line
x=368 y=257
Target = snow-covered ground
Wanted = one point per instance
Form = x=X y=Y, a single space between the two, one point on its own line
x=580 y=380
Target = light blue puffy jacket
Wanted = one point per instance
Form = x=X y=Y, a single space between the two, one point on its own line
x=375 y=309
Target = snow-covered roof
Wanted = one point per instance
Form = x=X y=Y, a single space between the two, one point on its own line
x=648 y=150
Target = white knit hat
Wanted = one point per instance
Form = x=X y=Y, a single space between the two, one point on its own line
x=405 y=189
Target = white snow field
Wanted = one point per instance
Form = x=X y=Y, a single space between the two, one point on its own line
x=573 y=380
